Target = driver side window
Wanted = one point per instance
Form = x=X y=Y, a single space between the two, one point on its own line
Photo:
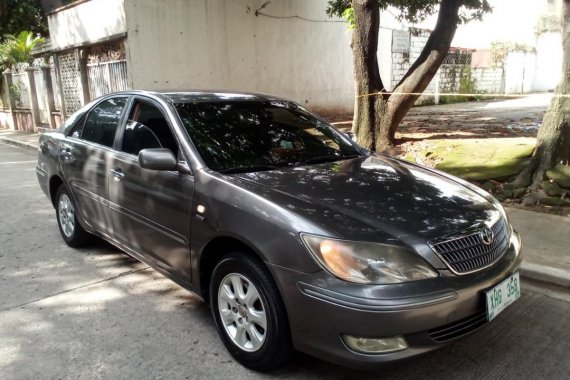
x=147 y=128
x=102 y=122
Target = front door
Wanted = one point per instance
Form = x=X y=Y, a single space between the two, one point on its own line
x=150 y=209
x=84 y=157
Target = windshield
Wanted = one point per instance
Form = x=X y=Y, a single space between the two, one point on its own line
x=246 y=136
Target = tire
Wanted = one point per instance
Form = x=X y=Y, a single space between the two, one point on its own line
x=254 y=325
x=71 y=231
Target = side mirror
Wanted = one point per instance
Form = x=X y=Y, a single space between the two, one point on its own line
x=157 y=159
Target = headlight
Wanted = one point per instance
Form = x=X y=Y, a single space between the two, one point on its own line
x=368 y=263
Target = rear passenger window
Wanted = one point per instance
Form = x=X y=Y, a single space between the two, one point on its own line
x=147 y=128
x=102 y=122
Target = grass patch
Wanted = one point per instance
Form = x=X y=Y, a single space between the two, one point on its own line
x=481 y=159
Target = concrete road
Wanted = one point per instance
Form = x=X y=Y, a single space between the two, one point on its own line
x=96 y=313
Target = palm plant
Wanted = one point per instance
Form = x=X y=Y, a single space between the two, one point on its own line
x=18 y=48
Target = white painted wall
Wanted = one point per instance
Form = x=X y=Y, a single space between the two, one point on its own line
x=191 y=44
x=86 y=23
x=519 y=72
x=385 y=57
x=548 y=69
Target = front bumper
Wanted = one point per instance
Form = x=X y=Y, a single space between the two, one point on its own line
x=428 y=313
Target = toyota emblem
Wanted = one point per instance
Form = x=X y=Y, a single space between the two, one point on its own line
x=487 y=235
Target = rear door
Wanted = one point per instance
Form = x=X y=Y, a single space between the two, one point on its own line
x=151 y=209
x=84 y=157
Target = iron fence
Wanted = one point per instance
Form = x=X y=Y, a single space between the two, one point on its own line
x=458 y=57
x=107 y=77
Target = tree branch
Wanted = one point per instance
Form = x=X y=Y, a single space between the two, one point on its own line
x=425 y=67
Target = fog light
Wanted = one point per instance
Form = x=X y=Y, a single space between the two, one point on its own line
x=375 y=345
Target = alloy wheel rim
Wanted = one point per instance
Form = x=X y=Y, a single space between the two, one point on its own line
x=242 y=312
x=66 y=215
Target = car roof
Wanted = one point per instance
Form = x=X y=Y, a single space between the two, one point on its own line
x=193 y=96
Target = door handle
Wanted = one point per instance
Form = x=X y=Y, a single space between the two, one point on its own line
x=117 y=174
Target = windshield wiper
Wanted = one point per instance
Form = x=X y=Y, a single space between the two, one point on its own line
x=247 y=169
x=321 y=159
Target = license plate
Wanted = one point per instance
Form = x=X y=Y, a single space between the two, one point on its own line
x=502 y=295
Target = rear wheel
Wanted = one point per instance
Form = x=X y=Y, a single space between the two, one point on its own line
x=249 y=313
x=71 y=231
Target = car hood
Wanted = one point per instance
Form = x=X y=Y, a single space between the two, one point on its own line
x=374 y=198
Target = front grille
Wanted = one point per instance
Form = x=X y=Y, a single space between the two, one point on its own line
x=458 y=329
x=469 y=253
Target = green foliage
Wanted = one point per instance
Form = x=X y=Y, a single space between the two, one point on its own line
x=414 y=10
x=547 y=23
x=18 y=15
x=15 y=93
x=501 y=49
x=18 y=48
x=348 y=15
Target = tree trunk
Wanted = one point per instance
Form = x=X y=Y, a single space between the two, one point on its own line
x=377 y=113
x=553 y=140
x=366 y=72
x=421 y=72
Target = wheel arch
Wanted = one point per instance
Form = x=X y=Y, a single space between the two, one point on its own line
x=214 y=251
x=54 y=183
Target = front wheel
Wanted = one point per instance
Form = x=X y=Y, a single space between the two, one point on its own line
x=71 y=231
x=249 y=313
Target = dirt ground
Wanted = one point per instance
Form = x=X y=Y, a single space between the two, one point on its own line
x=511 y=117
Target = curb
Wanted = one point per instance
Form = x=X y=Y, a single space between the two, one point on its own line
x=19 y=143
x=545 y=273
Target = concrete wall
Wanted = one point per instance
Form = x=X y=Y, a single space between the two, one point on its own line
x=4 y=122
x=548 y=68
x=450 y=78
x=401 y=62
x=489 y=80
x=24 y=120
x=86 y=22
x=385 y=57
x=193 y=44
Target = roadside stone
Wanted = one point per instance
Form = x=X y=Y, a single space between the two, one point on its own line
x=500 y=197
x=529 y=201
x=553 y=201
x=517 y=193
x=488 y=186
x=508 y=193
x=508 y=186
x=551 y=188
x=560 y=174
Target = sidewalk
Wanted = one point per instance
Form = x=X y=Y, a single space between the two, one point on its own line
x=546 y=238
x=23 y=139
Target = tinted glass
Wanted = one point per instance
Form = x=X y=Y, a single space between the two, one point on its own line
x=248 y=136
x=102 y=122
x=147 y=128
